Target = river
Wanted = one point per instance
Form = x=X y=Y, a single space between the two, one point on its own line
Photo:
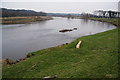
x=20 y=39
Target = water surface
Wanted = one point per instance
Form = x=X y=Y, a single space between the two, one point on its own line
x=19 y=39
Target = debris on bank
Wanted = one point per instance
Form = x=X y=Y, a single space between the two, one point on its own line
x=78 y=45
x=49 y=77
x=66 y=30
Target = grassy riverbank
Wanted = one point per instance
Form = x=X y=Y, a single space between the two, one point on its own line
x=22 y=20
x=114 y=21
x=97 y=58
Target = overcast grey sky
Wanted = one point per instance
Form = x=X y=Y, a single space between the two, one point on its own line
x=59 y=0
x=62 y=7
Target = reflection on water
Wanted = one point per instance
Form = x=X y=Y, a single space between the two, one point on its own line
x=19 y=39
x=84 y=21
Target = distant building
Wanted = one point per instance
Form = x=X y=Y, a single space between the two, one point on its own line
x=107 y=14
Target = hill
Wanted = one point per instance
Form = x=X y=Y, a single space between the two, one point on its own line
x=62 y=14
x=15 y=13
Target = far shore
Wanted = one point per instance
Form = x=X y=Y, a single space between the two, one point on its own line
x=23 y=20
x=114 y=21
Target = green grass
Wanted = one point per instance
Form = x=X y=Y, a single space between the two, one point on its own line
x=96 y=58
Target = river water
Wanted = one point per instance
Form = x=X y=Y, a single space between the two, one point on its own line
x=20 y=39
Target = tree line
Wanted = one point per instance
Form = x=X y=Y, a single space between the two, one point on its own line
x=14 y=13
x=102 y=14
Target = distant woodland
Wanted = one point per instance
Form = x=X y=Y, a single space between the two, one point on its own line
x=15 y=13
